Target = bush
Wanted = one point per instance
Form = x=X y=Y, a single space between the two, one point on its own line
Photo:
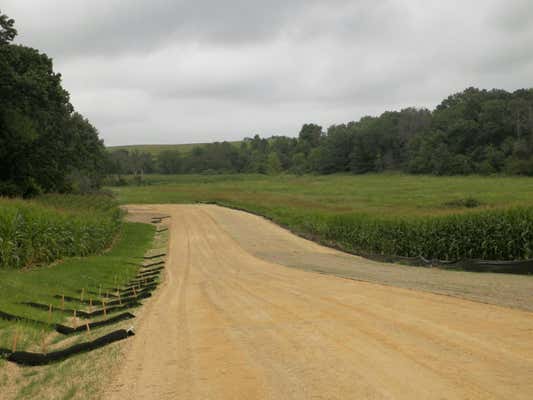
x=469 y=202
x=55 y=226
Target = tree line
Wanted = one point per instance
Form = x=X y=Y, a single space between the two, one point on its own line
x=472 y=132
x=45 y=146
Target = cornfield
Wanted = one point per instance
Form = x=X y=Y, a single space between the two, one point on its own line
x=489 y=235
x=55 y=226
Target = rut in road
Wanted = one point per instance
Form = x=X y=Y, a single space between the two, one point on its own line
x=227 y=325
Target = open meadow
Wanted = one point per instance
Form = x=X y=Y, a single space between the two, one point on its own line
x=446 y=218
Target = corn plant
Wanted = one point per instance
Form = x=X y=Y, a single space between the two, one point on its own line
x=55 y=226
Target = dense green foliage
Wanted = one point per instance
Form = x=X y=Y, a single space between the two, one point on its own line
x=488 y=235
x=40 y=285
x=55 y=226
x=44 y=145
x=446 y=218
x=475 y=131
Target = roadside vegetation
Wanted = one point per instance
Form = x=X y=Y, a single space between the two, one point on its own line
x=446 y=218
x=81 y=376
x=51 y=227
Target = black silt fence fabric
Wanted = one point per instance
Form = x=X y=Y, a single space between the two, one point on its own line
x=152 y=275
x=77 y=300
x=146 y=266
x=140 y=284
x=11 y=317
x=147 y=280
x=4 y=353
x=67 y=330
x=148 y=274
x=151 y=268
x=111 y=303
x=35 y=359
x=136 y=293
x=524 y=267
x=85 y=314
x=155 y=256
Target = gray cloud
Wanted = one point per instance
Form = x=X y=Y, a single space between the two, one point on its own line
x=166 y=71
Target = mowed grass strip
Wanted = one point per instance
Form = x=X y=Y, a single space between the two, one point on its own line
x=68 y=277
x=375 y=214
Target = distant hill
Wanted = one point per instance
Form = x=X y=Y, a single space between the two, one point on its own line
x=155 y=149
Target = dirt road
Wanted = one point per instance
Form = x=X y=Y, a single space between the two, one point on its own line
x=228 y=325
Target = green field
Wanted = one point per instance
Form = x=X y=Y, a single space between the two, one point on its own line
x=67 y=278
x=155 y=149
x=82 y=376
x=54 y=226
x=384 y=214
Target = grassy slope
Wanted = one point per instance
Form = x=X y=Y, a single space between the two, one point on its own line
x=83 y=376
x=67 y=277
x=155 y=149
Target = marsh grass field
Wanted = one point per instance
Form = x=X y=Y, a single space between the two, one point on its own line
x=373 y=194
x=447 y=218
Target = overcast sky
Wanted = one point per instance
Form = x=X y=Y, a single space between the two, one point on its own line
x=170 y=71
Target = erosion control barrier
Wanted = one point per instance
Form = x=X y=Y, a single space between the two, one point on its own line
x=155 y=256
x=67 y=330
x=147 y=281
x=11 y=317
x=524 y=267
x=151 y=268
x=141 y=295
x=135 y=292
x=35 y=359
x=149 y=275
x=85 y=314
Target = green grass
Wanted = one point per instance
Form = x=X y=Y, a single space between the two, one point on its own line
x=155 y=149
x=54 y=226
x=67 y=277
x=386 y=214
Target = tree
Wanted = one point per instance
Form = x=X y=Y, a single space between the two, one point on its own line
x=169 y=162
x=274 y=165
x=7 y=30
x=34 y=116
x=310 y=134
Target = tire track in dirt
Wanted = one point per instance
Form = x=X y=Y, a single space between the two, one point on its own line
x=243 y=328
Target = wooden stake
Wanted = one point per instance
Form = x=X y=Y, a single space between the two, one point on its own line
x=43 y=343
x=50 y=314
x=105 y=310
x=134 y=291
x=15 y=340
x=75 y=320
x=82 y=293
x=91 y=305
x=119 y=299
x=63 y=302
x=88 y=327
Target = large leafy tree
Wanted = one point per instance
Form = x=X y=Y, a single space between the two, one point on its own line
x=7 y=30
x=42 y=142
